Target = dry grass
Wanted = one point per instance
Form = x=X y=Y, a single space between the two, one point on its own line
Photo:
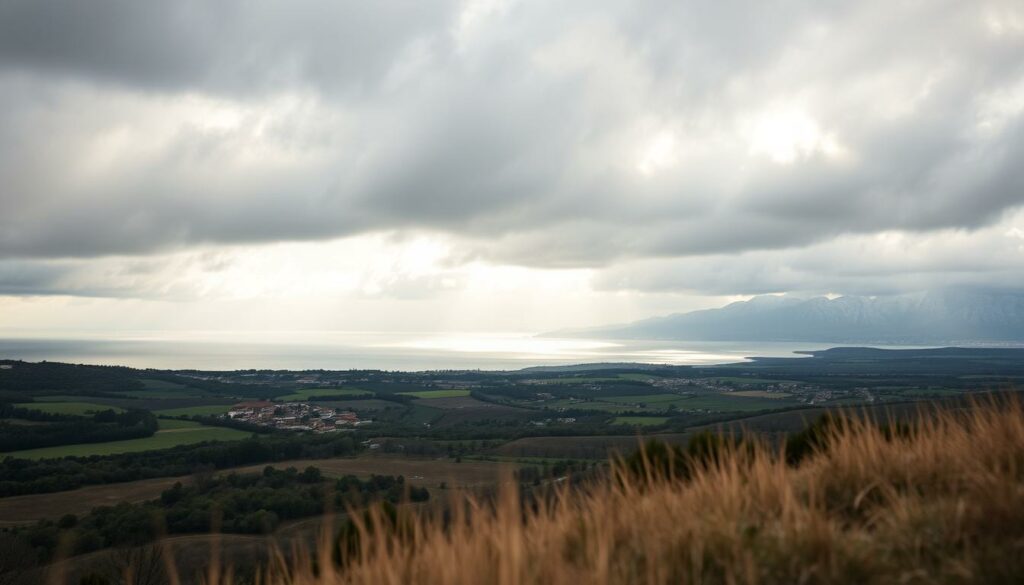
x=942 y=503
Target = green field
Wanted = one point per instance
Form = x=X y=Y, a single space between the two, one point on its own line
x=59 y=398
x=205 y=410
x=761 y=394
x=580 y=380
x=428 y=394
x=654 y=403
x=924 y=392
x=640 y=420
x=160 y=394
x=645 y=398
x=152 y=384
x=163 y=439
x=80 y=408
x=637 y=377
x=308 y=393
x=750 y=380
x=167 y=424
x=603 y=406
x=728 y=402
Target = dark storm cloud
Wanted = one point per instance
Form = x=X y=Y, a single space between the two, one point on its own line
x=573 y=134
x=233 y=46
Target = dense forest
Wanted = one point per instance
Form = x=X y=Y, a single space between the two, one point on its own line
x=32 y=378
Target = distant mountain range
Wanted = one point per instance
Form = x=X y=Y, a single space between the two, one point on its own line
x=935 y=317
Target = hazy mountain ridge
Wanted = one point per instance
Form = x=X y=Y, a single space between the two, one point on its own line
x=925 y=318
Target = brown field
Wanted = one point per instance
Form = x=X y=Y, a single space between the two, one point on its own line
x=771 y=426
x=426 y=472
x=358 y=405
x=468 y=402
x=28 y=509
x=423 y=471
x=599 y=447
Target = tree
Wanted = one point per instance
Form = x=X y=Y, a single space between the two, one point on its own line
x=17 y=560
x=142 y=565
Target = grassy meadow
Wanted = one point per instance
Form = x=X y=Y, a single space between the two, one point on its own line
x=640 y=420
x=75 y=408
x=428 y=394
x=171 y=434
x=306 y=394
x=204 y=410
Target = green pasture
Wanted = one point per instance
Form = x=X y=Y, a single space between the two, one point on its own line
x=163 y=439
x=641 y=421
x=306 y=394
x=204 y=410
x=77 y=408
x=428 y=394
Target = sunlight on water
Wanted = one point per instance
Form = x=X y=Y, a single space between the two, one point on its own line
x=231 y=350
x=683 y=356
x=516 y=347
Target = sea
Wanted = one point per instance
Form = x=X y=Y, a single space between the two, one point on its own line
x=395 y=351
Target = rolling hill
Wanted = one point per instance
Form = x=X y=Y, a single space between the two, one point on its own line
x=936 y=317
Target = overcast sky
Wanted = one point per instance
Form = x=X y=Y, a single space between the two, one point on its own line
x=498 y=165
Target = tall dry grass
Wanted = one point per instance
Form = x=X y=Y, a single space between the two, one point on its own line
x=940 y=503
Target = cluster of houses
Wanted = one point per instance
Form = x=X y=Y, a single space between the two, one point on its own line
x=294 y=416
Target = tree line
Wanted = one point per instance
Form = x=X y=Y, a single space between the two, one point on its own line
x=24 y=476
x=61 y=429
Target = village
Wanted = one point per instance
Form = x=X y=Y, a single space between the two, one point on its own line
x=295 y=416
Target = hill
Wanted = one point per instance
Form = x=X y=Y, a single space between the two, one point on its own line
x=935 y=318
x=937 y=502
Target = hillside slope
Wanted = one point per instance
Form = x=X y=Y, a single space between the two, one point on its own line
x=940 y=503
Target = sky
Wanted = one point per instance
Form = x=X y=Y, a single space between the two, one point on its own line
x=497 y=165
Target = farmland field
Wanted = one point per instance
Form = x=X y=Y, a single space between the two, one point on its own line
x=60 y=398
x=160 y=394
x=468 y=402
x=163 y=439
x=640 y=420
x=645 y=398
x=637 y=377
x=724 y=402
x=579 y=380
x=750 y=380
x=166 y=424
x=428 y=394
x=730 y=403
x=761 y=394
x=79 y=408
x=30 y=508
x=603 y=406
x=205 y=410
x=371 y=404
x=592 y=447
x=162 y=389
x=418 y=471
x=308 y=393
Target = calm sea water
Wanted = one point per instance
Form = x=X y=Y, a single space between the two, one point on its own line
x=389 y=351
